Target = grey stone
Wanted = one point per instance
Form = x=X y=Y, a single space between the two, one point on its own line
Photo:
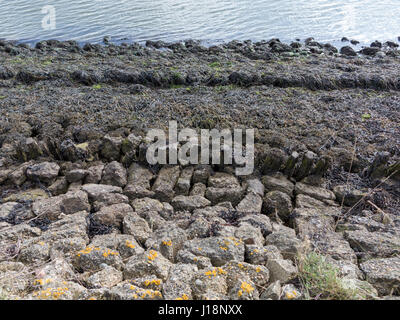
x=279 y=203
x=383 y=274
x=114 y=174
x=45 y=172
x=278 y=183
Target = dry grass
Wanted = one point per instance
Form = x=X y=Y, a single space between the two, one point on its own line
x=320 y=279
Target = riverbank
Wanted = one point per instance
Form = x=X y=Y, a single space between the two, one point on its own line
x=73 y=122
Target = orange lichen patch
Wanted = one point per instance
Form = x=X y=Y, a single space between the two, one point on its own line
x=200 y=249
x=129 y=244
x=223 y=248
x=50 y=293
x=109 y=252
x=41 y=282
x=167 y=243
x=156 y=282
x=184 y=297
x=87 y=250
x=245 y=288
x=41 y=243
x=152 y=255
x=92 y=298
x=258 y=269
x=214 y=272
x=291 y=295
x=38 y=282
x=149 y=294
x=241 y=266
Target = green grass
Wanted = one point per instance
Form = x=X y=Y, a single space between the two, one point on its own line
x=96 y=86
x=320 y=279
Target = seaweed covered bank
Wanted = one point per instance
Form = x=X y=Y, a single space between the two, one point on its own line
x=84 y=216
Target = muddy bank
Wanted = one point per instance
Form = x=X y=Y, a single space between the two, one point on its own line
x=72 y=166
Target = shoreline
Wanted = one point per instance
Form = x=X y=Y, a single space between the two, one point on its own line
x=75 y=190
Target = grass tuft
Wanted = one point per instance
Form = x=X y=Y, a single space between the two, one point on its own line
x=320 y=279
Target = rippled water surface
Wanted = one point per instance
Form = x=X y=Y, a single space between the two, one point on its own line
x=170 y=20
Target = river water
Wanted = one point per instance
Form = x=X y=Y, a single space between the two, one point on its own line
x=207 y=20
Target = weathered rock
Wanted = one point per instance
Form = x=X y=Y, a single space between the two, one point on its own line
x=97 y=191
x=219 y=249
x=150 y=262
x=136 y=226
x=347 y=196
x=373 y=244
x=15 y=279
x=94 y=174
x=139 y=179
x=189 y=203
x=125 y=244
x=362 y=289
x=76 y=175
x=236 y=271
x=223 y=180
x=18 y=176
x=68 y=203
x=182 y=186
x=128 y=291
x=383 y=274
x=45 y=172
x=218 y=195
x=114 y=174
x=209 y=281
x=164 y=185
x=35 y=252
x=278 y=183
x=348 y=51
x=198 y=189
x=111 y=147
x=201 y=174
x=286 y=241
x=108 y=199
x=249 y=234
x=60 y=186
x=277 y=202
x=251 y=203
x=144 y=205
x=255 y=186
x=15 y=212
x=281 y=270
x=107 y=277
x=91 y=258
x=187 y=257
x=290 y=292
x=306 y=202
x=177 y=285
x=273 y=292
x=244 y=290
x=167 y=240
x=113 y=215
x=314 y=192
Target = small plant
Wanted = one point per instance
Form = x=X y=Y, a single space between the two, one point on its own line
x=320 y=279
x=96 y=86
x=215 y=65
x=366 y=116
